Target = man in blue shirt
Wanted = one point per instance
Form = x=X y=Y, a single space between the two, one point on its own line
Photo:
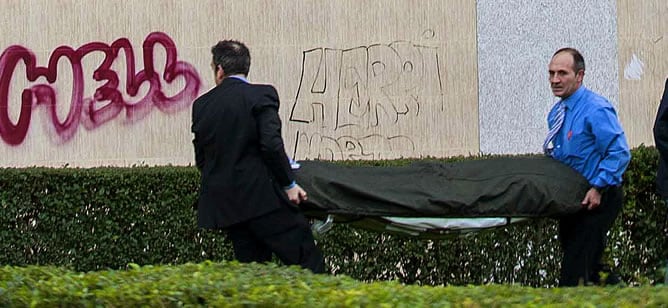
x=586 y=135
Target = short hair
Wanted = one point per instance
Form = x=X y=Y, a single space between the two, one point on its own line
x=578 y=59
x=232 y=56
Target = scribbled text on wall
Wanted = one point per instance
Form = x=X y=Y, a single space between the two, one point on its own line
x=360 y=103
x=136 y=92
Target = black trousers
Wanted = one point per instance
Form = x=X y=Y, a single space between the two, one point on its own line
x=583 y=238
x=284 y=232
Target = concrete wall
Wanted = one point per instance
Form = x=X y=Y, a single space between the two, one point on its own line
x=92 y=82
x=516 y=39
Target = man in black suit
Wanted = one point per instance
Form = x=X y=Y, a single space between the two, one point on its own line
x=247 y=185
x=661 y=141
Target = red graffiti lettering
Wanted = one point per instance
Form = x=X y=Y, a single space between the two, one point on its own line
x=107 y=102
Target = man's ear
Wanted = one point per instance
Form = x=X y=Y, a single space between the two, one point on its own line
x=220 y=72
x=580 y=75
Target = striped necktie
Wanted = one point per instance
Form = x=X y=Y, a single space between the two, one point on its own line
x=557 y=122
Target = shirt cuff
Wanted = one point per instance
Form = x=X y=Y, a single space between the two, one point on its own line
x=292 y=185
x=600 y=189
x=598 y=183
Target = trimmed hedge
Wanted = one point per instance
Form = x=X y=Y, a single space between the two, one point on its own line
x=106 y=218
x=99 y=218
x=230 y=284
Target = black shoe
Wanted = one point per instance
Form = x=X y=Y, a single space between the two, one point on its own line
x=612 y=279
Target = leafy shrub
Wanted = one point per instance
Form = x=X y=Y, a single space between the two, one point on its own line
x=230 y=284
x=106 y=218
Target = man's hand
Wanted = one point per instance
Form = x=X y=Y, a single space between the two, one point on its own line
x=296 y=194
x=592 y=199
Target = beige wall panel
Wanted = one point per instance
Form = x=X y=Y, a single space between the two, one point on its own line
x=643 y=54
x=14 y=27
x=382 y=80
x=387 y=78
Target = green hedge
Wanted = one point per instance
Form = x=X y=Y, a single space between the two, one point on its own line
x=106 y=218
x=230 y=284
x=100 y=218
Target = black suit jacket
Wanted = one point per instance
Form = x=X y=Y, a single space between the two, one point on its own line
x=661 y=142
x=239 y=152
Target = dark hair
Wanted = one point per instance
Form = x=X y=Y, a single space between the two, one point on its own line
x=578 y=59
x=232 y=56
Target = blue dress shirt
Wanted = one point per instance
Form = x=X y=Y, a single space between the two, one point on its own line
x=591 y=139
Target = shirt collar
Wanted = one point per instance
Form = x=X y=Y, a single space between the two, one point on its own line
x=240 y=77
x=575 y=97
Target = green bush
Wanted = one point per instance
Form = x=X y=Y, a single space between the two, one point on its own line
x=100 y=218
x=638 y=242
x=106 y=218
x=230 y=284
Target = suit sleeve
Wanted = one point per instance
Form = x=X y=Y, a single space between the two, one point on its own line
x=269 y=129
x=661 y=127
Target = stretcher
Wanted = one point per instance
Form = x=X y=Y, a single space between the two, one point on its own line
x=432 y=199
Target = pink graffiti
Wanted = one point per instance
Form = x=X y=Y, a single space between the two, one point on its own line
x=107 y=102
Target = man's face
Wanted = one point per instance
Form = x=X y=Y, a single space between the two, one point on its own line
x=563 y=78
